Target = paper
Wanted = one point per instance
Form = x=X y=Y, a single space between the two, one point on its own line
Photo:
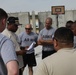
x=31 y=46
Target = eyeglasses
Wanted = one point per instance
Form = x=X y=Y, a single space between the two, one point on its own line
x=28 y=28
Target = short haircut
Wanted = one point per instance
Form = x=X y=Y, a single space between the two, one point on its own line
x=69 y=24
x=3 y=14
x=64 y=35
x=49 y=18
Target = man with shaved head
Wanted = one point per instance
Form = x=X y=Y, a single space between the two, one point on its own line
x=26 y=39
x=45 y=38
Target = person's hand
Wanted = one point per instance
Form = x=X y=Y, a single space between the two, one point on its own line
x=41 y=40
x=21 y=52
x=26 y=47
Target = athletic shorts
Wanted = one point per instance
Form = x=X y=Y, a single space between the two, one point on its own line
x=29 y=59
x=47 y=53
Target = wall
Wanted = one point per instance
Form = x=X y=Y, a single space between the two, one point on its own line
x=24 y=18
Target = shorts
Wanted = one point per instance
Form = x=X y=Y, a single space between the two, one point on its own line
x=47 y=53
x=29 y=59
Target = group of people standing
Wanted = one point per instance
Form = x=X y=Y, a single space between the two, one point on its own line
x=58 y=48
x=63 y=61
